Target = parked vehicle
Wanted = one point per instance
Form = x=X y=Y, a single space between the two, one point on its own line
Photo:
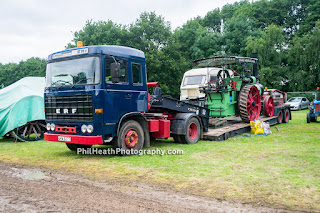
x=239 y=94
x=99 y=95
x=22 y=109
x=298 y=103
x=314 y=112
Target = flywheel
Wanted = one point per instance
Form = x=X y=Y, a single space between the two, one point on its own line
x=249 y=103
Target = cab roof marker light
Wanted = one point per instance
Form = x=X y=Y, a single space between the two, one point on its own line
x=79 y=44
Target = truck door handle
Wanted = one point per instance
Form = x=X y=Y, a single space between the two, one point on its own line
x=128 y=95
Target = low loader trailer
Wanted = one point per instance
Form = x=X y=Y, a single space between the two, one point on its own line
x=98 y=95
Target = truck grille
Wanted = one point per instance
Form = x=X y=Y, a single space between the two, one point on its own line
x=69 y=107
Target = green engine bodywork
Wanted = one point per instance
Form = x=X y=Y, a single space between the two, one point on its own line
x=225 y=103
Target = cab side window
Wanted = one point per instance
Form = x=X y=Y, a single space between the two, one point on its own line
x=123 y=70
x=136 y=73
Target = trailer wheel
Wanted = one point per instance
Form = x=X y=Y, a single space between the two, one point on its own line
x=130 y=137
x=74 y=147
x=280 y=117
x=286 y=116
x=193 y=132
x=308 y=117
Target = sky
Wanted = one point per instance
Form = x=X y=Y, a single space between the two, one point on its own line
x=37 y=28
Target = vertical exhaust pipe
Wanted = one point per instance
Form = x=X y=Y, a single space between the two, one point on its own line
x=254 y=66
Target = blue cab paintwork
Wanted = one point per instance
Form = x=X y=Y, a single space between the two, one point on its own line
x=116 y=99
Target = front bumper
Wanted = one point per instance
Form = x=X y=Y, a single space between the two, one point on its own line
x=295 y=107
x=75 y=139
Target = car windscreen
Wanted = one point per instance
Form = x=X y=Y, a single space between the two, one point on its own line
x=294 y=100
x=194 y=80
x=73 y=72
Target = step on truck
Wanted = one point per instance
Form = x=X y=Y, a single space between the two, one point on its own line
x=98 y=95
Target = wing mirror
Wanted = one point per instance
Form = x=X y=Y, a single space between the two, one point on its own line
x=115 y=72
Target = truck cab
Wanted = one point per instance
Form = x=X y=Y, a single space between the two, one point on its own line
x=82 y=96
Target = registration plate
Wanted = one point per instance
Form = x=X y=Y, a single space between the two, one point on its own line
x=63 y=138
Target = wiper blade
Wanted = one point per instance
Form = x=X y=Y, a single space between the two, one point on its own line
x=61 y=81
x=84 y=79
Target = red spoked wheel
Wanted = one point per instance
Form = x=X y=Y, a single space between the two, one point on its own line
x=131 y=138
x=193 y=131
x=268 y=106
x=234 y=85
x=249 y=103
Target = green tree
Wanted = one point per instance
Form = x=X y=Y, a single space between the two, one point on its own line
x=304 y=61
x=212 y=20
x=100 y=32
x=271 y=55
x=12 y=72
x=235 y=35
x=187 y=34
x=206 y=44
x=149 y=33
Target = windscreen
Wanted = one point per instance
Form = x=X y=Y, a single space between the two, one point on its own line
x=294 y=100
x=194 y=80
x=73 y=72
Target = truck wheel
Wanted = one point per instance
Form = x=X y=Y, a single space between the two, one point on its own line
x=193 y=132
x=177 y=138
x=308 y=117
x=280 y=117
x=286 y=116
x=130 y=137
x=74 y=147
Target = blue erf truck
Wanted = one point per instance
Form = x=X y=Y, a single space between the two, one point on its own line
x=99 y=95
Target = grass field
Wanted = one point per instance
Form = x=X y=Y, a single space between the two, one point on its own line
x=280 y=170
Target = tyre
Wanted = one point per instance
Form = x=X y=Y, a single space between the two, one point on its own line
x=280 y=117
x=300 y=108
x=130 y=137
x=177 y=138
x=74 y=147
x=313 y=119
x=286 y=116
x=308 y=117
x=193 y=132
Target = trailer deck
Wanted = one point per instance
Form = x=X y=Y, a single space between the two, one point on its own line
x=235 y=126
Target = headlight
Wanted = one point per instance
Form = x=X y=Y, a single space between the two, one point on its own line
x=52 y=127
x=48 y=126
x=84 y=128
x=90 y=129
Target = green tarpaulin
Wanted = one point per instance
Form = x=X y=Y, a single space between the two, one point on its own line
x=21 y=102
